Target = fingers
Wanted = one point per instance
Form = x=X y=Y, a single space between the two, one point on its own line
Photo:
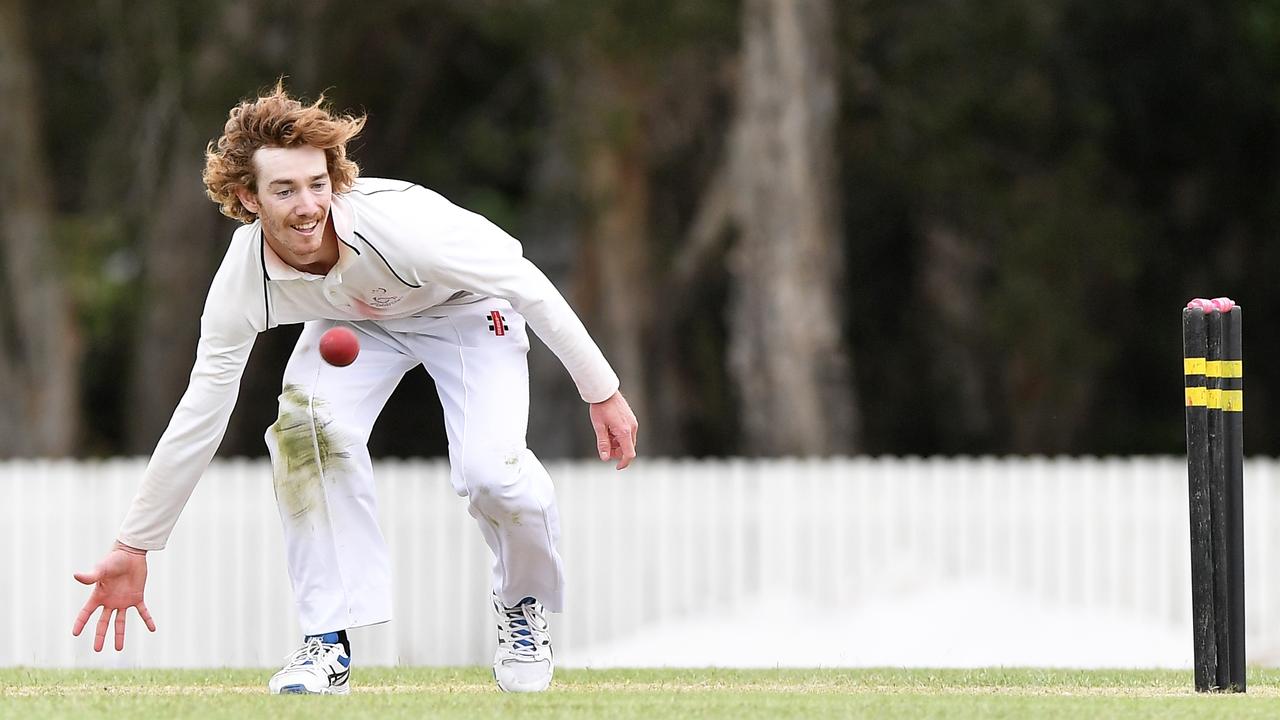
x=625 y=438
x=83 y=617
x=88 y=578
x=100 y=638
x=121 y=614
x=626 y=448
x=603 y=446
x=146 y=616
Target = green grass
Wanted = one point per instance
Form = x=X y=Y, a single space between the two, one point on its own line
x=470 y=693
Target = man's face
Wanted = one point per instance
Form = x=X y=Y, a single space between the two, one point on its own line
x=292 y=200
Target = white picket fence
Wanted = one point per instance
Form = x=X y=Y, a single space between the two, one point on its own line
x=860 y=562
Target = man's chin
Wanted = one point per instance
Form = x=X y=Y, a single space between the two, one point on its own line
x=304 y=244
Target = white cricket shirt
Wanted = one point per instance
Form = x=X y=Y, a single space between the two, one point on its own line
x=403 y=250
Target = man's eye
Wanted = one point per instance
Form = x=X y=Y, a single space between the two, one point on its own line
x=283 y=193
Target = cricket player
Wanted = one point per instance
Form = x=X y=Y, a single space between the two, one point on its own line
x=421 y=282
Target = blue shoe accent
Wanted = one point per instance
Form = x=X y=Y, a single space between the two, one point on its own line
x=523 y=636
x=328 y=639
x=294 y=690
x=344 y=661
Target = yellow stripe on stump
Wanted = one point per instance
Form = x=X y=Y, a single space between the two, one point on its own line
x=1197 y=396
x=1215 y=399
x=1233 y=400
x=1193 y=366
x=1219 y=368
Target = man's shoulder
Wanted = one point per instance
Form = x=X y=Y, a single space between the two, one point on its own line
x=245 y=244
x=397 y=196
x=245 y=233
x=366 y=187
x=245 y=262
x=396 y=210
x=238 y=293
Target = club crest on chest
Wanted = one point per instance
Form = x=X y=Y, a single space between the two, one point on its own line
x=380 y=299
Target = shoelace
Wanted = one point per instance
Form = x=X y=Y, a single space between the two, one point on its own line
x=526 y=626
x=308 y=654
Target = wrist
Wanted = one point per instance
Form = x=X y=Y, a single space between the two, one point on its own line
x=129 y=549
x=615 y=394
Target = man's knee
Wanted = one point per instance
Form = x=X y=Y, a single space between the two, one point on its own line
x=305 y=433
x=496 y=474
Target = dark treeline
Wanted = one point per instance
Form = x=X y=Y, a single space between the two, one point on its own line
x=794 y=226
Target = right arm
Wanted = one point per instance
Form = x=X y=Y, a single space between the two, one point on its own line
x=228 y=328
x=193 y=436
x=234 y=314
x=119 y=580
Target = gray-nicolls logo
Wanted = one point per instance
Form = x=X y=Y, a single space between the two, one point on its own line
x=497 y=323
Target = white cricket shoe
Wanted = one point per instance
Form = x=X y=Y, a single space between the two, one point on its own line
x=316 y=668
x=523 y=661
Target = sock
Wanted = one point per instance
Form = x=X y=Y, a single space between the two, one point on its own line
x=334 y=637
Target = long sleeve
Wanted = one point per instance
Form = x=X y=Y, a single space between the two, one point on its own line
x=227 y=334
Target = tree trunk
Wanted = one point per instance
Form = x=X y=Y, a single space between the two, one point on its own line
x=179 y=268
x=39 y=344
x=615 y=267
x=953 y=271
x=179 y=251
x=787 y=354
x=558 y=421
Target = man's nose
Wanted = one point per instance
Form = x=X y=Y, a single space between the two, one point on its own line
x=308 y=204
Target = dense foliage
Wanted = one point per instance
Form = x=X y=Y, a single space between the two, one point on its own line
x=1030 y=190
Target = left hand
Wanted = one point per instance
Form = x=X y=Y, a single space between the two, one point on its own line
x=616 y=430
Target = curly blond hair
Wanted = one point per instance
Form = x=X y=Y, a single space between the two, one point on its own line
x=275 y=120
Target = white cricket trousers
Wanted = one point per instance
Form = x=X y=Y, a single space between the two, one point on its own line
x=337 y=556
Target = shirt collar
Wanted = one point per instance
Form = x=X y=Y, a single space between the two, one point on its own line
x=272 y=265
x=344 y=221
x=344 y=226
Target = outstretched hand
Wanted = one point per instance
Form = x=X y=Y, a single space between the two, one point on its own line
x=616 y=429
x=119 y=581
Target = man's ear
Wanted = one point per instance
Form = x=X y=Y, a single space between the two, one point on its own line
x=248 y=199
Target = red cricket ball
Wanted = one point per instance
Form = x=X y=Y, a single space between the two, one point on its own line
x=339 y=346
